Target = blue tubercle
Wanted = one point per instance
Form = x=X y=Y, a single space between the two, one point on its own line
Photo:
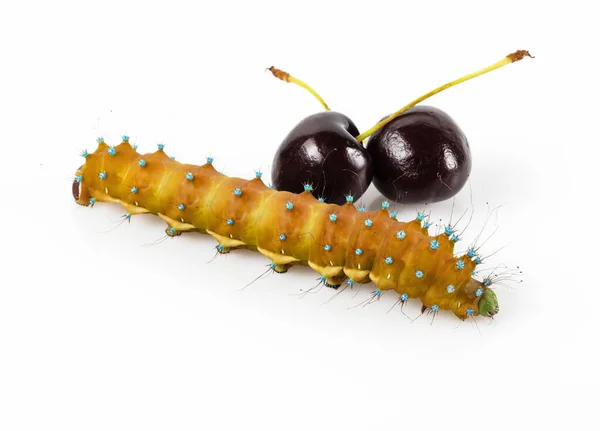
x=142 y=163
x=487 y=282
x=181 y=207
x=450 y=288
x=172 y=157
x=289 y=206
x=401 y=234
x=92 y=201
x=100 y=140
x=160 y=147
x=78 y=178
x=361 y=209
x=321 y=199
x=471 y=252
x=323 y=278
x=358 y=252
x=112 y=151
x=377 y=292
x=389 y=260
x=84 y=154
x=102 y=175
x=332 y=217
x=229 y=221
x=478 y=260
x=349 y=199
x=460 y=264
x=368 y=222
x=404 y=297
x=189 y=176
x=470 y=311
x=308 y=188
x=434 y=245
x=327 y=247
x=127 y=216
x=258 y=174
x=394 y=214
x=448 y=230
x=350 y=282
x=134 y=189
x=385 y=205
x=271 y=186
x=172 y=231
x=419 y=274
x=209 y=160
x=135 y=147
x=125 y=138
x=427 y=225
x=435 y=308
x=220 y=247
x=282 y=237
x=237 y=192
x=420 y=216
x=454 y=238
x=479 y=292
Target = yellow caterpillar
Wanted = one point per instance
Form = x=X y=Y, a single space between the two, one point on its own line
x=340 y=242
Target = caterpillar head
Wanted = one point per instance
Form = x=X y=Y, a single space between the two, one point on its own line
x=480 y=300
x=488 y=304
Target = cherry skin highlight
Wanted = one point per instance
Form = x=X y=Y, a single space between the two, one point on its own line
x=420 y=157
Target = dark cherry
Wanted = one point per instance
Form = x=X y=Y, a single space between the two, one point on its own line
x=322 y=151
x=421 y=156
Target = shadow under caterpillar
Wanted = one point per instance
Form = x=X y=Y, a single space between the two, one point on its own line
x=346 y=244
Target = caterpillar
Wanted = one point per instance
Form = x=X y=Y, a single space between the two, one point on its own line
x=342 y=243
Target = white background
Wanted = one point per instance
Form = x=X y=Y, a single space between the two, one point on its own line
x=99 y=331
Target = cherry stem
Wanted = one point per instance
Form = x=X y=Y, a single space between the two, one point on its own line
x=511 y=58
x=284 y=76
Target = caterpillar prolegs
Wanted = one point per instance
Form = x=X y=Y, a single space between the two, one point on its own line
x=345 y=244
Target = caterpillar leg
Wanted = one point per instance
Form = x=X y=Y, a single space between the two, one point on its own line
x=176 y=227
x=359 y=276
x=333 y=274
x=277 y=259
x=336 y=281
x=172 y=232
x=226 y=243
x=280 y=269
x=221 y=249
x=133 y=210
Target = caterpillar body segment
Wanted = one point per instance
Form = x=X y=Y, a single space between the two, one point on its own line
x=339 y=242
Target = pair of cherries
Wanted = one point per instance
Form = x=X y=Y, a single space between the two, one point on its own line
x=421 y=156
x=416 y=155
